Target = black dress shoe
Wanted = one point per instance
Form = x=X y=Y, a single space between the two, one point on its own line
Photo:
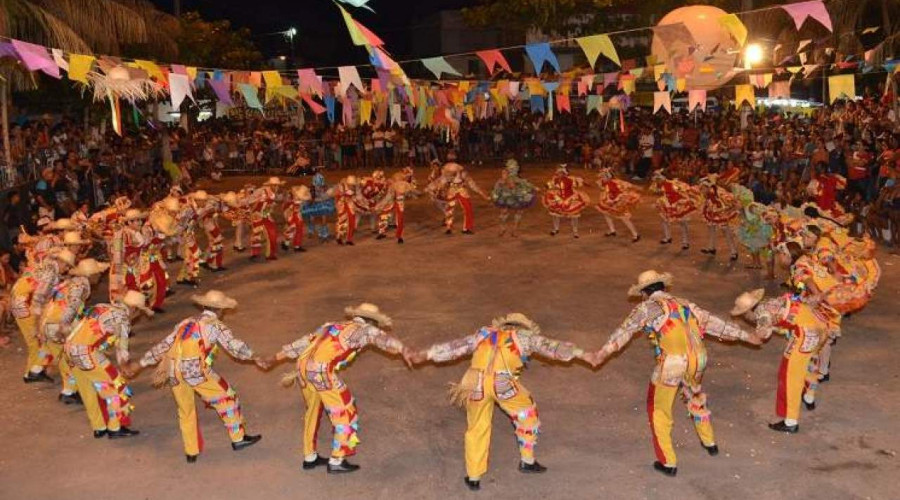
x=449 y=231
x=609 y=234
x=685 y=246
x=809 y=406
x=472 y=485
x=669 y=471
x=247 y=441
x=285 y=245
x=532 y=468
x=299 y=249
x=399 y=241
x=552 y=233
x=218 y=269
x=825 y=378
x=468 y=232
x=204 y=265
x=124 y=432
x=100 y=434
x=254 y=257
x=70 y=399
x=712 y=450
x=191 y=458
x=636 y=239
x=734 y=257
x=348 y=243
x=318 y=462
x=40 y=376
x=666 y=241
x=381 y=237
x=342 y=468
x=782 y=427
x=170 y=292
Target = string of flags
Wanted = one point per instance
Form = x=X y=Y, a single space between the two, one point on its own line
x=391 y=97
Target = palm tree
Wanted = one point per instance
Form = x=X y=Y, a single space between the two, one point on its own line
x=82 y=26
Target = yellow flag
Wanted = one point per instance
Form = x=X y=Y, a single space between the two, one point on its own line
x=628 y=86
x=152 y=69
x=658 y=70
x=733 y=24
x=681 y=84
x=365 y=111
x=272 y=79
x=79 y=65
x=841 y=86
x=192 y=72
x=744 y=93
x=595 y=45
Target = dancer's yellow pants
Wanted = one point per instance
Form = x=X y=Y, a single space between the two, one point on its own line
x=797 y=373
x=341 y=410
x=216 y=393
x=517 y=404
x=55 y=350
x=37 y=356
x=661 y=397
x=104 y=393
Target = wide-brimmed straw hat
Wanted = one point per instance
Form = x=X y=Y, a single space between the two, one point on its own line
x=138 y=301
x=230 y=198
x=518 y=320
x=88 y=267
x=301 y=193
x=200 y=195
x=369 y=311
x=64 y=255
x=747 y=301
x=214 y=299
x=171 y=204
x=351 y=180
x=134 y=214
x=452 y=167
x=648 y=278
x=73 y=238
x=163 y=223
x=61 y=225
x=274 y=181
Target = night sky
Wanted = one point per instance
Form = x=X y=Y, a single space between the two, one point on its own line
x=322 y=38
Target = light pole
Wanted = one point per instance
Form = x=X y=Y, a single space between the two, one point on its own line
x=290 y=34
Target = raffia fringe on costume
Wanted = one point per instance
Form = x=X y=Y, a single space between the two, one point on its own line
x=288 y=378
x=461 y=392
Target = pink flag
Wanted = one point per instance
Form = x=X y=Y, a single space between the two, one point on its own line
x=179 y=88
x=815 y=9
x=36 y=57
x=313 y=105
x=562 y=103
x=222 y=88
x=697 y=98
x=609 y=79
x=309 y=81
x=780 y=90
x=372 y=38
x=493 y=58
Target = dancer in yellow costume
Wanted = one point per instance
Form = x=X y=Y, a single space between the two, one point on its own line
x=66 y=303
x=806 y=331
x=319 y=356
x=499 y=353
x=676 y=328
x=188 y=354
x=103 y=390
x=29 y=295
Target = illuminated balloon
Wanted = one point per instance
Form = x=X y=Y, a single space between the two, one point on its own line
x=716 y=52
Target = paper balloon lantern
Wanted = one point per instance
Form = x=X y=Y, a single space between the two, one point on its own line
x=709 y=63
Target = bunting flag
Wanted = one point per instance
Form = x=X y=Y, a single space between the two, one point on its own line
x=152 y=69
x=309 y=81
x=313 y=105
x=356 y=34
x=841 y=86
x=733 y=24
x=537 y=104
x=59 y=59
x=79 y=66
x=627 y=85
x=662 y=100
x=251 y=97
x=272 y=79
x=563 y=103
x=540 y=53
x=222 y=88
x=493 y=58
x=801 y=11
x=179 y=88
x=593 y=103
x=370 y=37
x=349 y=76
x=36 y=58
x=780 y=90
x=697 y=98
x=438 y=66
x=742 y=94
x=761 y=81
x=595 y=45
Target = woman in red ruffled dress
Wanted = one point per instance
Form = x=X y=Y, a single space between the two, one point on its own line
x=677 y=201
x=563 y=199
x=617 y=199
x=720 y=210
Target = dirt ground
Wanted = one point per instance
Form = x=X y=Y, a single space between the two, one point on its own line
x=595 y=438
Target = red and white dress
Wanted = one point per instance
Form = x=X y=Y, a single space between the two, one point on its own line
x=563 y=199
x=678 y=200
x=617 y=198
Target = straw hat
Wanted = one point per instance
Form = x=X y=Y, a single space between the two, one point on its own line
x=73 y=238
x=65 y=255
x=452 y=167
x=274 y=181
x=563 y=167
x=747 y=301
x=214 y=299
x=200 y=195
x=401 y=187
x=135 y=214
x=137 y=300
x=88 y=267
x=163 y=223
x=351 y=180
x=171 y=204
x=62 y=225
x=518 y=320
x=301 y=193
x=378 y=174
x=648 y=278
x=230 y=198
x=369 y=311
x=44 y=223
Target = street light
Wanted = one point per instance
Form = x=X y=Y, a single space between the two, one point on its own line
x=290 y=34
x=753 y=55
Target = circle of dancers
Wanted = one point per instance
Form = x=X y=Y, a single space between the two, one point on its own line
x=831 y=276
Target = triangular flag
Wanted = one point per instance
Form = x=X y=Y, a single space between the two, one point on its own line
x=744 y=93
x=493 y=58
x=697 y=98
x=595 y=45
x=350 y=76
x=313 y=105
x=250 y=95
x=59 y=59
x=840 y=86
x=272 y=79
x=36 y=58
x=439 y=66
x=815 y=9
x=179 y=88
x=780 y=90
x=733 y=24
x=662 y=100
x=222 y=88
x=370 y=37
x=540 y=53
x=593 y=103
x=309 y=81
x=152 y=69
x=355 y=34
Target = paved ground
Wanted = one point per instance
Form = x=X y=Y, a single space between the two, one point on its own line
x=595 y=438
